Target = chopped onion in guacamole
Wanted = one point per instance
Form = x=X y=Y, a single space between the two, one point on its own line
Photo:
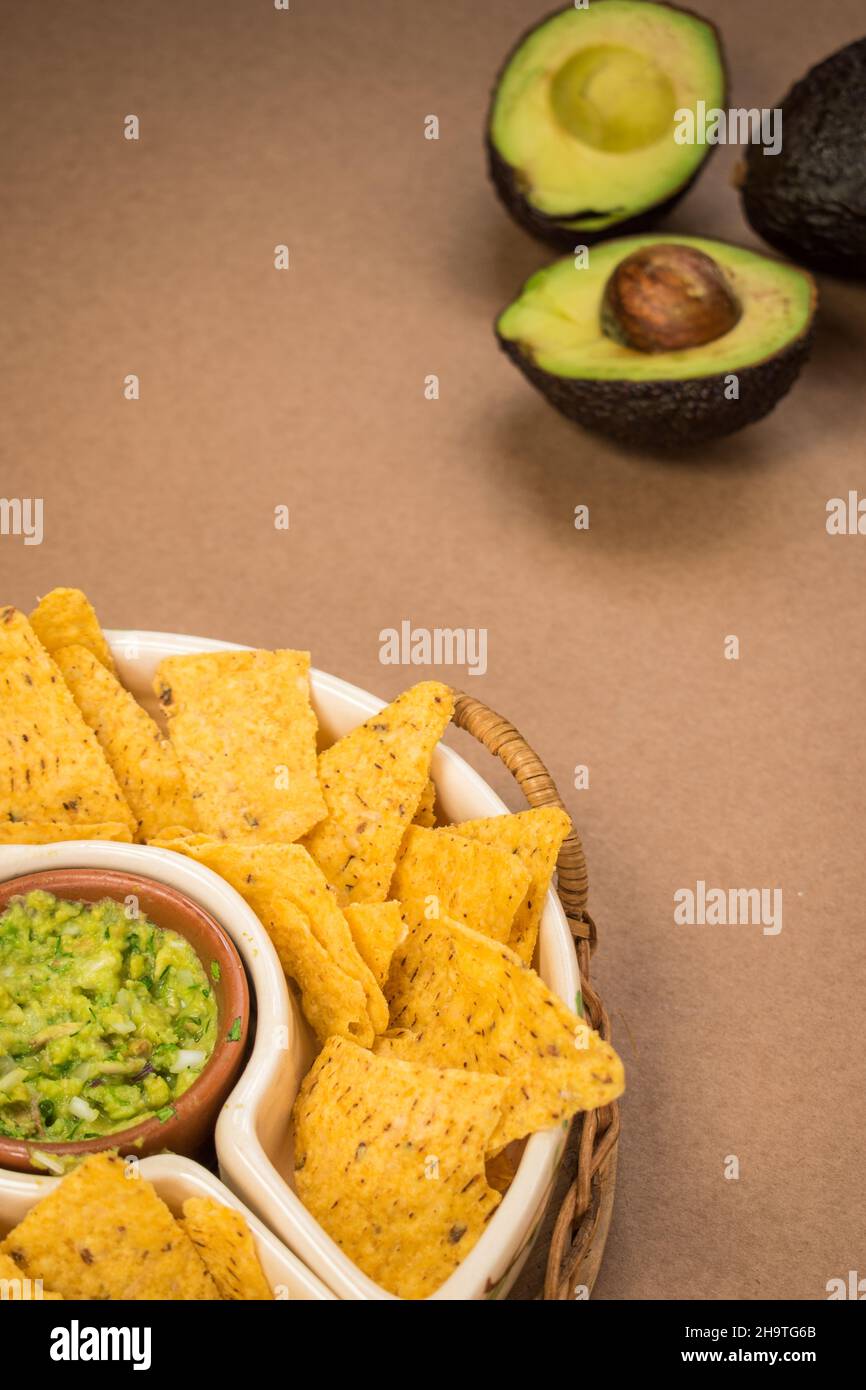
x=105 y=1019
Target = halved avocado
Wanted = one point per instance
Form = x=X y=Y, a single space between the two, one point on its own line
x=581 y=129
x=571 y=331
x=809 y=200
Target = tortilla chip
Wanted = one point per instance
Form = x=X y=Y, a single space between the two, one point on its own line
x=51 y=766
x=143 y=761
x=182 y=832
x=291 y=871
x=459 y=999
x=373 y=780
x=100 y=1234
x=471 y=882
x=426 y=813
x=65 y=618
x=245 y=735
x=389 y=1158
x=287 y=872
x=333 y=1000
x=377 y=930
x=54 y=831
x=29 y=832
x=17 y=1287
x=227 y=1249
x=536 y=838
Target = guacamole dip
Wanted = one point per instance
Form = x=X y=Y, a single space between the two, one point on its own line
x=105 y=1019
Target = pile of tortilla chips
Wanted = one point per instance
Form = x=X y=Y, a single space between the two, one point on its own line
x=103 y=1232
x=409 y=944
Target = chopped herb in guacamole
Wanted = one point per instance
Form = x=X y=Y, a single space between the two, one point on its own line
x=105 y=1019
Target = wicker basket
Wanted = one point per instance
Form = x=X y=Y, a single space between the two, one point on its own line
x=581 y=1222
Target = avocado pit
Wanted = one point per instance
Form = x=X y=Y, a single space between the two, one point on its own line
x=668 y=298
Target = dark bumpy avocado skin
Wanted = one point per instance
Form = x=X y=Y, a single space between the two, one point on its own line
x=810 y=199
x=506 y=181
x=669 y=414
x=507 y=185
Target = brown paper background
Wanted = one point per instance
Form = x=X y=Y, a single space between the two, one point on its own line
x=306 y=388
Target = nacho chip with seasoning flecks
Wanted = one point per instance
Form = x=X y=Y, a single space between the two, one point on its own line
x=332 y=999
x=225 y=1244
x=377 y=930
x=65 y=618
x=287 y=874
x=373 y=780
x=52 y=768
x=536 y=838
x=101 y=1234
x=17 y=1287
x=245 y=735
x=426 y=813
x=193 y=839
x=389 y=1158
x=51 y=832
x=472 y=882
x=141 y=758
x=459 y=999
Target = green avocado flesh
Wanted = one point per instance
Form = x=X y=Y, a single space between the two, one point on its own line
x=586 y=109
x=556 y=321
x=104 y=1020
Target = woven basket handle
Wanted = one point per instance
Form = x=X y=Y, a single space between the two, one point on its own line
x=500 y=737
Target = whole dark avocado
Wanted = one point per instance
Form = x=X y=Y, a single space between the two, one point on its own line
x=810 y=199
x=662 y=344
x=582 y=131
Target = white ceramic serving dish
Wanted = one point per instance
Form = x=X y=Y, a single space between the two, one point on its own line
x=176 y=1179
x=253 y=1132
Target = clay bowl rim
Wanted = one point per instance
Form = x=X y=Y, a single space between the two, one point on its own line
x=219 y=1073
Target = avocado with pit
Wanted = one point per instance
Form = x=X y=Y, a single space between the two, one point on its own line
x=582 y=129
x=662 y=344
x=809 y=200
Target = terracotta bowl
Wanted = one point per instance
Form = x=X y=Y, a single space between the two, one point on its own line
x=193 y=1122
